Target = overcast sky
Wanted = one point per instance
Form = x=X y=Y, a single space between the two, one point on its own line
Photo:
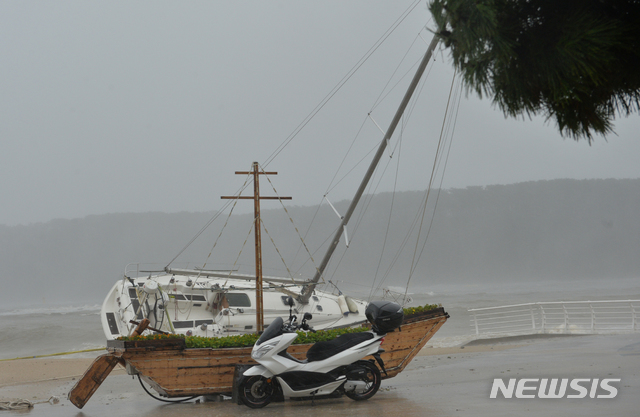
x=151 y=106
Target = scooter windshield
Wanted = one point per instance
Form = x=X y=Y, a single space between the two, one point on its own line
x=274 y=329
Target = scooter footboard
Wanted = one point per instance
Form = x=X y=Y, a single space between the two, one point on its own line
x=310 y=390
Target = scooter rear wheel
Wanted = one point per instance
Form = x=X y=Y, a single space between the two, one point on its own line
x=368 y=373
x=256 y=391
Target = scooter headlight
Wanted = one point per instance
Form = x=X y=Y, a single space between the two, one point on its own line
x=264 y=349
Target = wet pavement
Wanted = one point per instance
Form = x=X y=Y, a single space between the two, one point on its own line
x=451 y=384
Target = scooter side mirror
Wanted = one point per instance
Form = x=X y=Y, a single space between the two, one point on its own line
x=290 y=302
x=307 y=316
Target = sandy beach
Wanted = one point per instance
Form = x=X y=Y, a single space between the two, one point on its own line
x=439 y=381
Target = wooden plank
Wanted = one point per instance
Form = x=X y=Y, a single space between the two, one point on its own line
x=92 y=379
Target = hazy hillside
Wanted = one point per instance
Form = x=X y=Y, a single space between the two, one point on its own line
x=562 y=229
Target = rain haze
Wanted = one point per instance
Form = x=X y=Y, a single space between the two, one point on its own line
x=123 y=123
x=152 y=106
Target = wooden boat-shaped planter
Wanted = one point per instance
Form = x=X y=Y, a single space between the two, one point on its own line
x=176 y=371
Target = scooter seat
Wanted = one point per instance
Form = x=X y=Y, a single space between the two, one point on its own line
x=324 y=350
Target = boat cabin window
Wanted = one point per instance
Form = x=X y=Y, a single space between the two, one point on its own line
x=238 y=299
x=285 y=300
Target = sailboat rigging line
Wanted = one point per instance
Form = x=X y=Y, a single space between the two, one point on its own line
x=276 y=248
x=411 y=228
x=451 y=125
x=386 y=233
x=329 y=236
x=369 y=198
x=246 y=239
x=399 y=81
x=341 y=83
x=235 y=202
x=365 y=157
x=211 y=220
x=306 y=291
x=398 y=145
x=329 y=188
x=379 y=100
x=438 y=158
x=372 y=190
x=331 y=185
x=292 y=223
x=371 y=195
x=375 y=123
x=416 y=257
x=315 y=214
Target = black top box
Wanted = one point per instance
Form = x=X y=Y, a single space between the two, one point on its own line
x=385 y=316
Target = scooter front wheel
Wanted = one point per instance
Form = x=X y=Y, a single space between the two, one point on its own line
x=366 y=378
x=256 y=391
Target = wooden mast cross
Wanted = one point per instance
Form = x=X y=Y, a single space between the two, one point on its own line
x=256 y=212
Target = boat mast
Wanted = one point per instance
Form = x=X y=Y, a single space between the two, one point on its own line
x=258 y=240
x=308 y=289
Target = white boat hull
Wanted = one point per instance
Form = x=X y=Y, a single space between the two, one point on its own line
x=212 y=307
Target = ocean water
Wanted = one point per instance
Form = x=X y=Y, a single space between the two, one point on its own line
x=46 y=330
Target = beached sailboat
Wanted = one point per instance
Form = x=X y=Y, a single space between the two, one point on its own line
x=215 y=304
x=218 y=303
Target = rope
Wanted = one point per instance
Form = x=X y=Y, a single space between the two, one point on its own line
x=15 y=405
x=25 y=404
x=52 y=354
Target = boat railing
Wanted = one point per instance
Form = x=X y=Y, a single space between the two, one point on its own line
x=137 y=269
x=397 y=297
x=133 y=270
x=563 y=317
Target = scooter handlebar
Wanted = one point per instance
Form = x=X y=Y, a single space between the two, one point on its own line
x=305 y=326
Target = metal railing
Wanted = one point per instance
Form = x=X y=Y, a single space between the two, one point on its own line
x=570 y=317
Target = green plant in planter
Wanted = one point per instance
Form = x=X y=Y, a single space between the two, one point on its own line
x=413 y=311
x=250 y=339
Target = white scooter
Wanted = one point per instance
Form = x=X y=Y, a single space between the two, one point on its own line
x=335 y=366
